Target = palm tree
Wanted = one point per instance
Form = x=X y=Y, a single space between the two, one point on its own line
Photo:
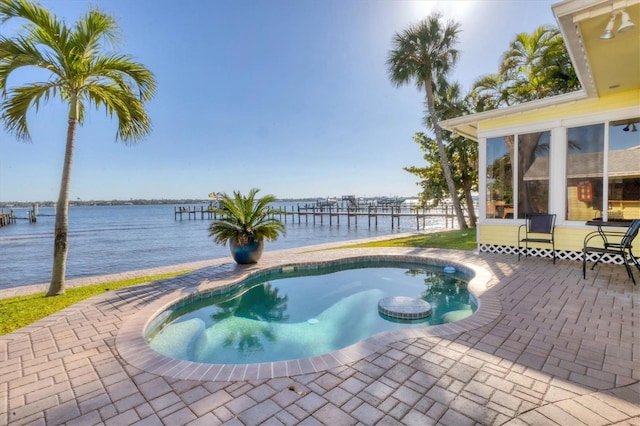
x=536 y=66
x=245 y=218
x=82 y=73
x=463 y=156
x=557 y=67
x=523 y=63
x=449 y=104
x=489 y=92
x=245 y=222
x=425 y=53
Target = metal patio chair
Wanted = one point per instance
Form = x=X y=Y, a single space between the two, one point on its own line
x=539 y=229
x=606 y=246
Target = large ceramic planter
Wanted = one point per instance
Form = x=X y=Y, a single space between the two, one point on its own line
x=246 y=253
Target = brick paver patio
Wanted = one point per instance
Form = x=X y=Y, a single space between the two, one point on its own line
x=549 y=349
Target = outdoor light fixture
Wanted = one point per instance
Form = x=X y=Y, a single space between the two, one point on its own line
x=633 y=127
x=625 y=25
x=608 y=32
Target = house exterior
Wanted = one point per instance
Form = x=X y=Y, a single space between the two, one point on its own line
x=576 y=155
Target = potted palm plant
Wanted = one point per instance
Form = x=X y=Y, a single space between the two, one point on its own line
x=245 y=222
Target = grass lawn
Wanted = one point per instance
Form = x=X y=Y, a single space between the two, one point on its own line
x=17 y=312
x=454 y=240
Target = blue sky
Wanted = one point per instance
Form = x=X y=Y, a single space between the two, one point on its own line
x=289 y=96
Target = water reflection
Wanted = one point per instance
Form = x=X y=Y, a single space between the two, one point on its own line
x=445 y=292
x=262 y=304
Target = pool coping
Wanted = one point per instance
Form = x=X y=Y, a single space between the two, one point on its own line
x=132 y=345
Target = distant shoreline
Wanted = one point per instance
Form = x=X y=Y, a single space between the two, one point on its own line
x=144 y=202
x=23 y=204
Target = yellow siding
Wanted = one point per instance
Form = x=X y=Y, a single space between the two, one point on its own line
x=563 y=111
x=570 y=239
x=498 y=234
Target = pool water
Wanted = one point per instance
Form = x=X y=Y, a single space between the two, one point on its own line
x=290 y=315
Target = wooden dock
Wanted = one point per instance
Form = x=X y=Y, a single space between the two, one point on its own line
x=334 y=214
x=7 y=219
x=194 y=212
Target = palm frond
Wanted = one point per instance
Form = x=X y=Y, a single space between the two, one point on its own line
x=80 y=67
x=133 y=121
x=18 y=101
x=90 y=32
x=20 y=52
x=423 y=52
x=245 y=218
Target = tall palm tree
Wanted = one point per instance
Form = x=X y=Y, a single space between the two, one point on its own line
x=425 y=53
x=82 y=73
x=450 y=104
x=463 y=156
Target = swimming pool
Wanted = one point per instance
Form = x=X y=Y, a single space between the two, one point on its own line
x=304 y=311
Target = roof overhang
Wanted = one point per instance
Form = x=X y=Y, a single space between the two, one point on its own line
x=467 y=125
x=604 y=67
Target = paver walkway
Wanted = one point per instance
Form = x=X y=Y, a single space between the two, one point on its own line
x=561 y=350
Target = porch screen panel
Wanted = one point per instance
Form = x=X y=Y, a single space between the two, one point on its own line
x=584 y=171
x=623 y=170
x=499 y=202
x=533 y=173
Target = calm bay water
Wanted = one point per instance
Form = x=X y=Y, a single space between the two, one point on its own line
x=111 y=239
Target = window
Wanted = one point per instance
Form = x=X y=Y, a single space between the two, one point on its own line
x=532 y=171
x=499 y=177
x=623 y=170
x=587 y=177
x=585 y=163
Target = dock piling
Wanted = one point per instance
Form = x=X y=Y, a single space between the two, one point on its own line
x=7 y=219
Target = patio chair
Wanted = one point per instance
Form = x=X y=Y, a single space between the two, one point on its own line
x=539 y=229
x=621 y=248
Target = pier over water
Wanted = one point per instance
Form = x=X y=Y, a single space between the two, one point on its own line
x=349 y=214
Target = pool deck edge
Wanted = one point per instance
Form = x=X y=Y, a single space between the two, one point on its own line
x=133 y=347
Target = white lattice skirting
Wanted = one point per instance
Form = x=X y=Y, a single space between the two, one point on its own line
x=540 y=252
